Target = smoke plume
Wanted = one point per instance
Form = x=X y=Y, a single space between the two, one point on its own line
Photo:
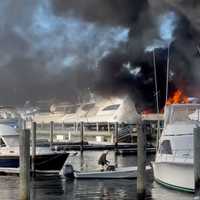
x=62 y=48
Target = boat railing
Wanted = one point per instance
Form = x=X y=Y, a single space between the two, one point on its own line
x=125 y=132
x=181 y=113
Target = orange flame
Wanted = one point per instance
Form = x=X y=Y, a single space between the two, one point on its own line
x=177 y=97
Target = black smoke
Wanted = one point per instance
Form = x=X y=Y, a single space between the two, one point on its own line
x=114 y=78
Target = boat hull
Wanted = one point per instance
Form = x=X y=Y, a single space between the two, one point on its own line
x=125 y=172
x=179 y=176
x=48 y=162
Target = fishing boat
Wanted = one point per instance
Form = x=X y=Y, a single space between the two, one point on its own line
x=174 y=165
x=123 y=172
x=45 y=159
x=111 y=172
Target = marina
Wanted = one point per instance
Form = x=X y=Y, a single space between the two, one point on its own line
x=55 y=187
x=81 y=160
x=100 y=100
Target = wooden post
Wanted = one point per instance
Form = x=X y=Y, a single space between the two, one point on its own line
x=81 y=161
x=25 y=165
x=82 y=133
x=111 y=134
x=69 y=136
x=196 y=140
x=115 y=159
x=23 y=125
x=34 y=126
x=108 y=128
x=74 y=127
x=141 y=158
x=116 y=136
x=51 y=134
x=97 y=127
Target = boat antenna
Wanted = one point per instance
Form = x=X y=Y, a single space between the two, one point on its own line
x=167 y=75
x=155 y=78
x=157 y=105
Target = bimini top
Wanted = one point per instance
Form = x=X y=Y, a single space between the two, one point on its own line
x=6 y=130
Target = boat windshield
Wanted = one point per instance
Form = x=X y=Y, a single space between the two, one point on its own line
x=182 y=112
x=11 y=140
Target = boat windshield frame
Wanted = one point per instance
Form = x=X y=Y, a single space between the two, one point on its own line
x=181 y=112
x=11 y=140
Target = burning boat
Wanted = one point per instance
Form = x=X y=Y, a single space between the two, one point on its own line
x=120 y=110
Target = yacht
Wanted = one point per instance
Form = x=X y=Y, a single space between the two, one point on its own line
x=101 y=110
x=173 y=165
x=45 y=159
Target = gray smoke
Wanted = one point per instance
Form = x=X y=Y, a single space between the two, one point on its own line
x=60 y=48
x=44 y=55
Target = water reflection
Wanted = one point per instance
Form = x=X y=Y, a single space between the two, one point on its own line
x=57 y=188
x=162 y=193
x=100 y=189
x=47 y=187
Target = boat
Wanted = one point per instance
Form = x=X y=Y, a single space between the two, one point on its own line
x=45 y=159
x=111 y=172
x=174 y=165
x=123 y=172
x=10 y=116
x=100 y=110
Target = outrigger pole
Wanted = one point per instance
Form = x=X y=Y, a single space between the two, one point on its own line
x=167 y=77
x=156 y=94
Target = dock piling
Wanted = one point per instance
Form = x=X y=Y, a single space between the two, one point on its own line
x=34 y=127
x=196 y=140
x=51 y=134
x=141 y=159
x=25 y=165
x=116 y=136
x=97 y=127
x=82 y=135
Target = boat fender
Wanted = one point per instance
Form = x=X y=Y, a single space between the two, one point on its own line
x=68 y=171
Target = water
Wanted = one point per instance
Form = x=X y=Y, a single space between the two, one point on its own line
x=57 y=188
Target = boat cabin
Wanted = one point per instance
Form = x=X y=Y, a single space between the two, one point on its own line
x=9 y=137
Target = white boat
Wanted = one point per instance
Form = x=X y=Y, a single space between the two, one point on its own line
x=122 y=172
x=116 y=173
x=100 y=110
x=10 y=116
x=173 y=166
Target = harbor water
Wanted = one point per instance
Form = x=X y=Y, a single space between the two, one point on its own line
x=58 y=188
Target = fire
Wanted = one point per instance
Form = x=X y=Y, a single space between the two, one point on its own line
x=147 y=111
x=177 y=97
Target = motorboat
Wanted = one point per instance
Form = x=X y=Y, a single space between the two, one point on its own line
x=174 y=165
x=111 y=172
x=45 y=159
x=10 y=116
x=122 y=172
